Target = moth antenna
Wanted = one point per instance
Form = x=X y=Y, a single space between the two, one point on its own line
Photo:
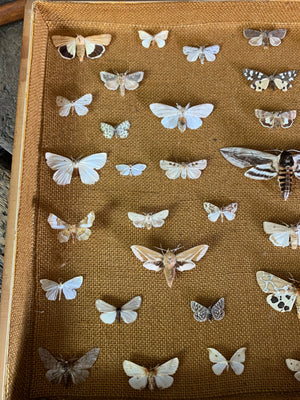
x=178 y=247
x=297 y=151
x=292 y=279
x=161 y=249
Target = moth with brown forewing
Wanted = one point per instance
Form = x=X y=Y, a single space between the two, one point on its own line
x=265 y=166
x=276 y=119
x=91 y=46
x=264 y=37
x=261 y=81
x=71 y=371
x=283 y=235
x=168 y=261
x=121 y=81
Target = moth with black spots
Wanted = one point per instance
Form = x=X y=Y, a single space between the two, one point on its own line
x=261 y=81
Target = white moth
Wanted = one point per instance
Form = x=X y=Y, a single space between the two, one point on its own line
x=148 y=220
x=181 y=117
x=131 y=170
x=84 y=167
x=215 y=312
x=214 y=212
x=147 y=39
x=264 y=37
x=261 y=81
x=65 y=105
x=294 y=365
x=121 y=80
x=121 y=130
x=126 y=312
x=158 y=376
x=276 y=119
x=220 y=362
x=184 y=170
x=201 y=52
x=68 y=288
x=283 y=235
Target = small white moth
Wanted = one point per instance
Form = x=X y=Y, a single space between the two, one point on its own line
x=264 y=37
x=65 y=105
x=184 y=170
x=148 y=220
x=294 y=365
x=68 y=288
x=121 y=130
x=121 y=80
x=158 y=376
x=147 y=39
x=201 y=52
x=276 y=119
x=214 y=212
x=283 y=235
x=182 y=117
x=215 y=312
x=220 y=362
x=131 y=170
x=126 y=312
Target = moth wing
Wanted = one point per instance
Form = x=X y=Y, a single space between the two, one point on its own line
x=70 y=286
x=276 y=36
x=103 y=39
x=168 y=368
x=87 y=166
x=194 y=169
x=284 y=79
x=132 y=304
x=220 y=362
x=139 y=375
x=192 y=53
x=107 y=130
x=173 y=169
x=266 y=118
x=51 y=289
x=293 y=365
x=163 y=381
x=108 y=317
x=81 y=103
x=137 y=169
x=66 y=46
x=146 y=38
x=243 y=158
x=59 y=41
x=63 y=166
x=163 y=110
x=152 y=259
x=217 y=309
x=88 y=221
x=138 y=220
x=56 y=223
x=200 y=312
x=128 y=316
x=94 y=45
x=49 y=361
x=170 y=122
x=111 y=81
x=200 y=111
x=229 y=211
x=287 y=118
x=210 y=52
x=256 y=37
x=158 y=218
x=109 y=312
x=123 y=169
x=261 y=80
x=212 y=211
x=65 y=106
x=280 y=234
x=160 y=38
x=236 y=361
x=193 y=254
x=79 y=370
x=122 y=129
x=132 y=80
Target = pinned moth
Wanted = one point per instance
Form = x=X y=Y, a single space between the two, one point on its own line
x=84 y=167
x=266 y=166
x=131 y=170
x=181 y=117
x=283 y=235
x=148 y=39
x=65 y=105
x=121 y=81
x=184 y=170
x=158 y=376
x=215 y=312
x=68 y=288
x=264 y=37
x=72 y=371
x=283 y=295
x=214 y=212
x=276 y=119
x=119 y=131
x=261 y=81
x=91 y=46
x=126 y=312
x=80 y=231
x=220 y=362
x=148 y=220
x=169 y=262
x=201 y=52
x=294 y=365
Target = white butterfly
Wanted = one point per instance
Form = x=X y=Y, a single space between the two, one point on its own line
x=131 y=170
x=175 y=170
x=126 y=312
x=215 y=212
x=120 y=130
x=283 y=235
x=122 y=81
x=264 y=37
x=158 y=376
x=148 y=220
x=147 y=39
x=294 y=365
x=182 y=117
x=65 y=105
x=53 y=289
x=86 y=166
x=215 y=312
x=201 y=52
x=220 y=362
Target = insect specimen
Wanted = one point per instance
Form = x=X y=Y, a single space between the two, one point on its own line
x=283 y=235
x=126 y=312
x=215 y=312
x=121 y=130
x=220 y=362
x=184 y=170
x=201 y=52
x=214 y=212
x=148 y=220
x=121 y=81
x=65 y=105
x=276 y=119
x=294 y=365
x=131 y=170
x=261 y=81
x=264 y=37
x=68 y=288
x=147 y=39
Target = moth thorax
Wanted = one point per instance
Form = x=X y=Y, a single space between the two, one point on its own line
x=209 y=314
x=73 y=230
x=121 y=79
x=169 y=260
x=286 y=159
x=148 y=223
x=151 y=380
x=265 y=41
x=276 y=121
x=118 y=311
x=80 y=50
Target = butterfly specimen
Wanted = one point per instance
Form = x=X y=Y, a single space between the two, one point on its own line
x=181 y=117
x=184 y=170
x=294 y=365
x=283 y=293
x=79 y=231
x=283 y=235
x=158 y=376
x=91 y=46
x=215 y=312
x=84 y=167
x=264 y=37
x=261 y=81
x=220 y=362
x=201 y=52
x=148 y=220
x=54 y=289
x=266 y=166
x=121 y=81
x=72 y=371
x=276 y=119
x=214 y=212
x=147 y=39
x=131 y=170
x=169 y=262
x=120 y=130
x=126 y=312
x=65 y=105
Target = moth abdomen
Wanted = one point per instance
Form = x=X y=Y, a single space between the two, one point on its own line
x=285 y=177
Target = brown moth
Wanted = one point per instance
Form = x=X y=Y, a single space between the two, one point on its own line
x=276 y=119
x=72 y=371
x=91 y=46
x=264 y=37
